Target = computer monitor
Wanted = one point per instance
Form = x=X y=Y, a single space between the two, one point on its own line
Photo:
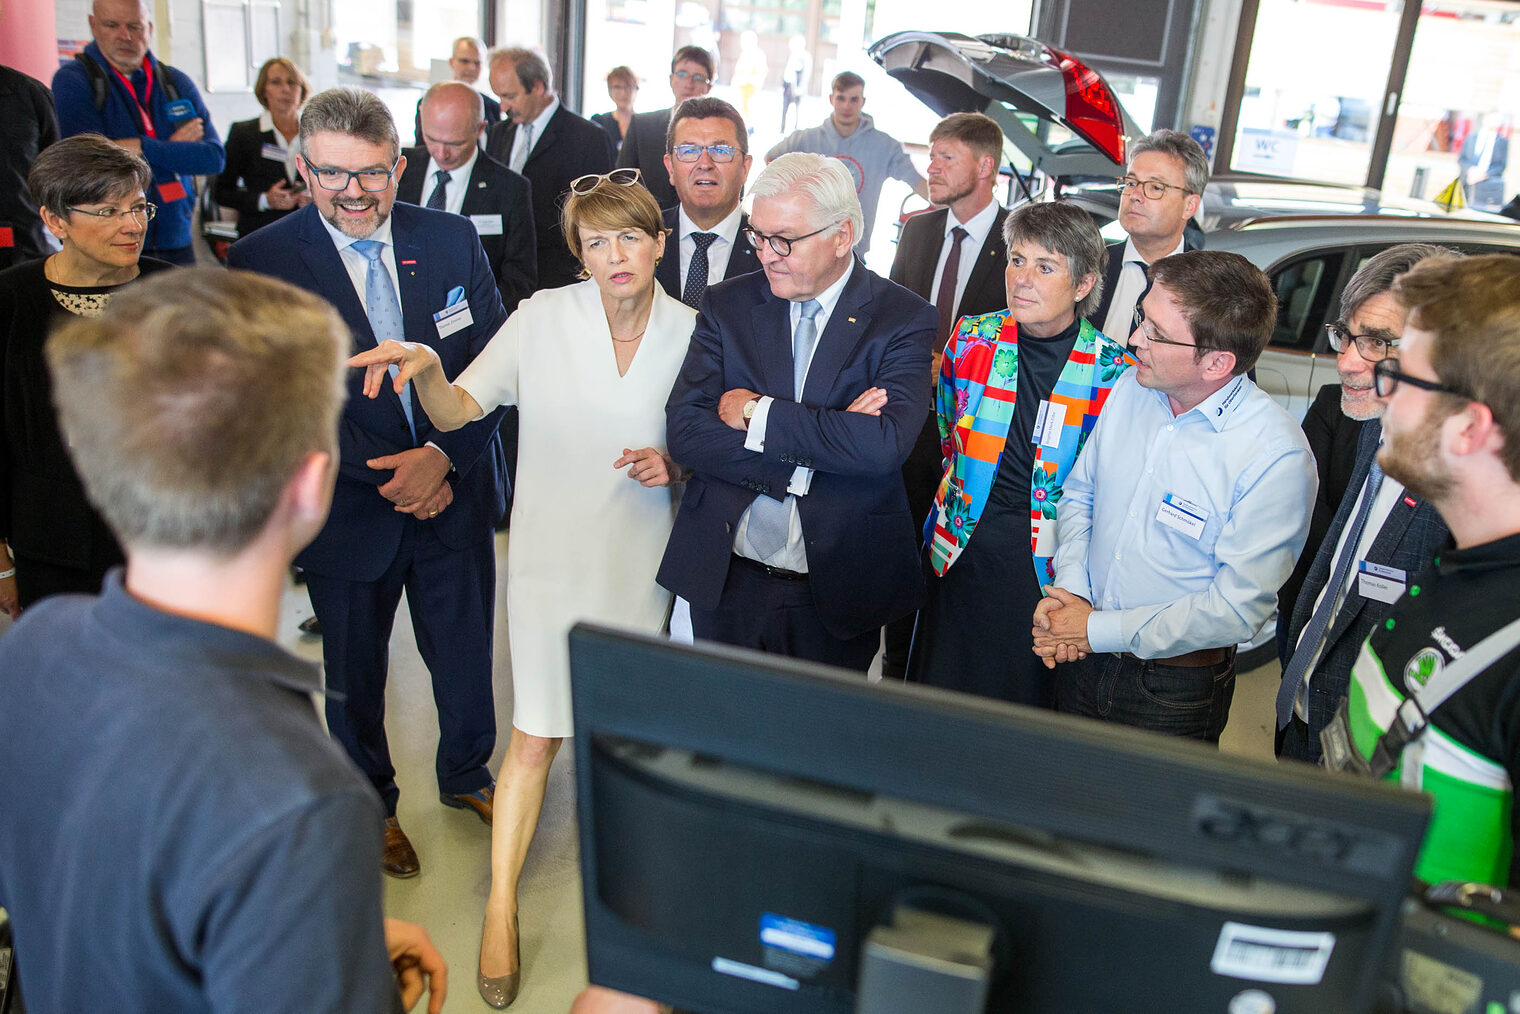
x=764 y=836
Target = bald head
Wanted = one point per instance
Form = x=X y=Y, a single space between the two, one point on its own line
x=453 y=118
x=123 y=29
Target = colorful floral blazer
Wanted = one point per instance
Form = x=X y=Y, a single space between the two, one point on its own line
x=978 y=384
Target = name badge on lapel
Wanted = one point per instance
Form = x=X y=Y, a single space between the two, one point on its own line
x=273 y=152
x=1182 y=515
x=456 y=315
x=1379 y=583
x=1048 y=424
x=487 y=225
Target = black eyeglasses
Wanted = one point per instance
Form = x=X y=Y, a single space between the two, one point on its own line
x=692 y=152
x=1154 y=189
x=370 y=180
x=618 y=177
x=1369 y=346
x=1149 y=333
x=781 y=246
x=142 y=212
x=686 y=75
x=1386 y=378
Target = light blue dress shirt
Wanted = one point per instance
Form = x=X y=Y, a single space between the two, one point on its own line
x=1180 y=529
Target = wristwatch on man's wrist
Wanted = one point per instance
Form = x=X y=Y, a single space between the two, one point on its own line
x=749 y=410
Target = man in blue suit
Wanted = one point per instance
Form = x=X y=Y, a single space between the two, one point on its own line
x=799 y=400
x=1381 y=535
x=414 y=508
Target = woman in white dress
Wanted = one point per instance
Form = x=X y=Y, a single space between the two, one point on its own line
x=589 y=367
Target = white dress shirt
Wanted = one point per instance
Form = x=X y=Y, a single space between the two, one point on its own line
x=290 y=147
x=455 y=189
x=971 y=248
x=1235 y=478
x=793 y=555
x=522 y=147
x=717 y=252
x=1127 y=291
x=357 y=266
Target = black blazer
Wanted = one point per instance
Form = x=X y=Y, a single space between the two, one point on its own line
x=1408 y=540
x=493 y=189
x=493 y=116
x=44 y=513
x=741 y=256
x=861 y=547
x=570 y=146
x=1333 y=437
x=609 y=123
x=918 y=255
x=1192 y=239
x=645 y=147
x=248 y=174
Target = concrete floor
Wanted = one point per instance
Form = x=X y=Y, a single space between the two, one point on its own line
x=448 y=898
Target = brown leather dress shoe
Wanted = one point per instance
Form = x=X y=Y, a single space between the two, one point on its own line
x=399 y=859
x=480 y=801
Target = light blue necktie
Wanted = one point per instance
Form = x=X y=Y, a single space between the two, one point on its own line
x=768 y=518
x=1319 y=624
x=384 y=312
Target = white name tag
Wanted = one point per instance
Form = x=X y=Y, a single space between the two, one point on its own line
x=274 y=152
x=487 y=225
x=1048 y=426
x=1379 y=583
x=453 y=318
x=1182 y=515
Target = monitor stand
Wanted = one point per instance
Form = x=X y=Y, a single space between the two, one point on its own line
x=926 y=961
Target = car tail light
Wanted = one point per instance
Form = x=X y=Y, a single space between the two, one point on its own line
x=1091 y=108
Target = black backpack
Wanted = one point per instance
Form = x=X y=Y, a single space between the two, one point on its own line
x=99 y=83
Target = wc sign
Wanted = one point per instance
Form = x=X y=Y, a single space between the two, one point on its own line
x=1266 y=151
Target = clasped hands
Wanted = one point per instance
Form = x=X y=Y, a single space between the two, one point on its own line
x=731 y=406
x=1060 y=627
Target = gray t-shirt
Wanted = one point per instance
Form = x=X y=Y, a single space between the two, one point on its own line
x=871 y=156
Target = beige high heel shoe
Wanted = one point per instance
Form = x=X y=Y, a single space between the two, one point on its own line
x=500 y=991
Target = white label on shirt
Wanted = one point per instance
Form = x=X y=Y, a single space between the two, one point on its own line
x=273 y=152
x=1038 y=433
x=453 y=318
x=1055 y=422
x=1182 y=515
x=487 y=225
x=1379 y=583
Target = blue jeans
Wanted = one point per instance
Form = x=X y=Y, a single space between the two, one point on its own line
x=1188 y=701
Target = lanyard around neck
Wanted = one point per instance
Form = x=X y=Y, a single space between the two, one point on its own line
x=147 y=100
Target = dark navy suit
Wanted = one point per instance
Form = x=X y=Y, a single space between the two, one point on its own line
x=861 y=547
x=1411 y=536
x=368 y=552
x=741 y=255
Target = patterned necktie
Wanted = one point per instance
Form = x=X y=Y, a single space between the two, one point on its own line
x=384 y=311
x=1314 y=633
x=521 y=150
x=696 y=274
x=768 y=518
x=439 y=198
x=945 y=301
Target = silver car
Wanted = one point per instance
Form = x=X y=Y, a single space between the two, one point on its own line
x=1067 y=133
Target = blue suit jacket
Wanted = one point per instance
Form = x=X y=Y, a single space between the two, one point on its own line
x=861 y=546
x=435 y=251
x=1411 y=536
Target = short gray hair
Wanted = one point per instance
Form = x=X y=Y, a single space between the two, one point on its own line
x=1377 y=275
x=85 y=169
x=351 y=111
x=1195 y=164
x=1067 y=230
x=824 y=181
x=530 y=67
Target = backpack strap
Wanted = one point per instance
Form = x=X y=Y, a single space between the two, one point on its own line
x=97 y=77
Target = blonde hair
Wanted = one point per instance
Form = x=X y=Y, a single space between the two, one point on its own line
x=189 y=404
x=261 y=86
x=609 y=205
